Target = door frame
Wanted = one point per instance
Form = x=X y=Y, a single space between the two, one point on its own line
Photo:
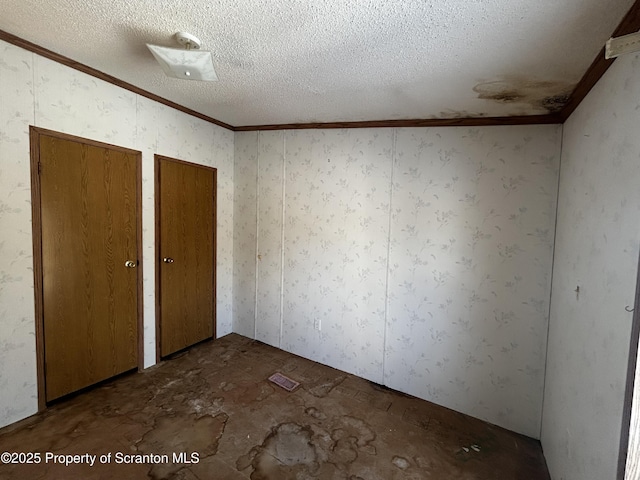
x=157 y=159
x=630 y=381
x=36 y=224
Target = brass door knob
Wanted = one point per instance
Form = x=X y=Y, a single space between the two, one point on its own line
x=167 y=260
x=130 y=264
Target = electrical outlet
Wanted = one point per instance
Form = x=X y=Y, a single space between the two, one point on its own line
x=318 y=324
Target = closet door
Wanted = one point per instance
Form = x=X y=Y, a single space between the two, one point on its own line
x=90 y=274
x=185 y=244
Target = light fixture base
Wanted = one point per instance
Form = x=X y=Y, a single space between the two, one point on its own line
x=188 y=41
x=189 y=63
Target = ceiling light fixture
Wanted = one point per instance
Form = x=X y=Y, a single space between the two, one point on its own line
x=621 y=45
x=189 y=63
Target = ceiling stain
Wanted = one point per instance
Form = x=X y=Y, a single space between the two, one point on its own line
x=449 y=113
x=556 y=102
x=540 y=95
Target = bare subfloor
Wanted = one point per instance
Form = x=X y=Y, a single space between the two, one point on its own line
x=214 y=407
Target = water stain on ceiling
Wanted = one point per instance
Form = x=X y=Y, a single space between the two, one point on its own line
x=334 y=61
x=540 y=95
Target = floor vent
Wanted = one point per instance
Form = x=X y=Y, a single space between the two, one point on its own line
x=284 y=382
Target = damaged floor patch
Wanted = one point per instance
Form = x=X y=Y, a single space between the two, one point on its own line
x=197 y=435
x=214 y=404
x=287 y=452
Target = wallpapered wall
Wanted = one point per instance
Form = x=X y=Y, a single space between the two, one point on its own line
x=597 y=250
x=417 y=258
x=37 y=91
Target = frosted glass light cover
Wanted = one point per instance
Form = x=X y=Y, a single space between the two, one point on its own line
x=185 y=64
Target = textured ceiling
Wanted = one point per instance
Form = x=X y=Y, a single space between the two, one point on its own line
x=299 y=61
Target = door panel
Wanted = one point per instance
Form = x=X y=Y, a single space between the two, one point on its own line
x=88 y=204
x=186 y=245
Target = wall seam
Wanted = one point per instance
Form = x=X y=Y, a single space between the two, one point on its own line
x=284 y=182
x=386 y=287
x=553 y=264
x=34 y=59
x=257 y=258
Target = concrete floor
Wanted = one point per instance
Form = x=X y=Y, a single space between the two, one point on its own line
x=214 y=407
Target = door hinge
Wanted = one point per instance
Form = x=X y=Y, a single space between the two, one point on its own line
x=39 y=168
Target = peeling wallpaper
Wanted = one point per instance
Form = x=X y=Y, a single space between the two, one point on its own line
x=597 y=249
x=37 y=91
x=417 y=258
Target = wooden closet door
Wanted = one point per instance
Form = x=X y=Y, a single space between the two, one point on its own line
x=186 y=220
x=89 y=227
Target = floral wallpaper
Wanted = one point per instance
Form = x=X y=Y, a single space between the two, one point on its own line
x=472 y=230
x=18 y=395
x=270 y=215
x=594 y=278
x=337 y=185
x=244 y=235
x=38 y=91
x=417 y=258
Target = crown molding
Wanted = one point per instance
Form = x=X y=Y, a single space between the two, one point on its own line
x=81 y=67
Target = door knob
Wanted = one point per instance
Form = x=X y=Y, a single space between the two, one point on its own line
x=130 y=264
x=167 y=260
